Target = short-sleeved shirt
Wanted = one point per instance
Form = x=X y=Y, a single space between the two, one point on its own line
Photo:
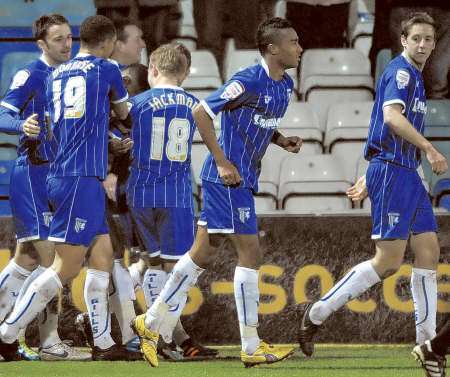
x=78 y=95
x=162 y=131
x=26 y=96
x=252 y=106
x=401 y=83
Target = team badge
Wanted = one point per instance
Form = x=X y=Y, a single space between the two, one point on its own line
x=233 y=90
x=267 y=99
x=48 y=217
x=244 y=214
x=80 y=224
x=402 y=77
x=394 y=218
x=20 y=78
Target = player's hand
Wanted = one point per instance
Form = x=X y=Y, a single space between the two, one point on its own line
x=438 y=162
x=228 y=173
x=30 y=126
x=119 y=146
x=292 y=144
x=358 y=191
x=110 y=185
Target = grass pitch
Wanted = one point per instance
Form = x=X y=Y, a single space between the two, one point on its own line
x=328 y=361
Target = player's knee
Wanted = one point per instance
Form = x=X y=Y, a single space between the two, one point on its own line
x=389 y=272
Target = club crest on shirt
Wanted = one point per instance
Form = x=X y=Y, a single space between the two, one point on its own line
x=402 y=77
x=394 y=218
x=80 y=224
x=48 y=217
x=233 y=90
x=244 y=214
x=20 y=78
x=267 y=99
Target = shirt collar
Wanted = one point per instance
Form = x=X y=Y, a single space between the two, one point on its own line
x=406 y=57
x=82 y=55
x=265 y=66
x=42 y=59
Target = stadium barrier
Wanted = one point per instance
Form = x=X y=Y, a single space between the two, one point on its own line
x=303 y=257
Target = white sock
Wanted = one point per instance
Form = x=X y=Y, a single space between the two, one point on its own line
x=39 y=294
x=96 y=298
x=153 y=283
x=121 y=301
x=358 y=280
x=246 y=296
x=48 y=324
x=184 y=276
x=136 y=276
x=179 y=334
x=171 y=320
x=424 y=292
x=38 y=271
x=12 y=278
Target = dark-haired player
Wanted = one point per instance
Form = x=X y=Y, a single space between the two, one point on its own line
x=252 y=105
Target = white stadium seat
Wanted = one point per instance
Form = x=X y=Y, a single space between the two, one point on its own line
x=310 y=176
x=347 y=121
x=198 y=155
x=204 y=72
x=330 y=76
x=301 y=120
x=349 y=153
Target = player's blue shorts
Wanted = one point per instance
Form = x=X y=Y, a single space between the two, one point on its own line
x=228 y=209
x=79 y=209
x=400 y=203
x=165 y=232
x=29 y=201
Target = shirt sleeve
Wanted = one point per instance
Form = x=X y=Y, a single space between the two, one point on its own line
x=232 y=94
x=19 y=92
x=397 y=83
x=9 y=122
x=118 y=91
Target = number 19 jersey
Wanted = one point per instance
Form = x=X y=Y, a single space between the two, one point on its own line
x=163 y=128
x=78 y=97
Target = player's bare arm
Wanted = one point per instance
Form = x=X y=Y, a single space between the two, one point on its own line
x=397 y=122
x=121 y=110
x=227 y=171
x=291 y=143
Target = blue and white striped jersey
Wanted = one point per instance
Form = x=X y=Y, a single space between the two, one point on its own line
x=252 y=105
x=78 y=96
x=26 y=96
x=163 y=129
x=401 y=83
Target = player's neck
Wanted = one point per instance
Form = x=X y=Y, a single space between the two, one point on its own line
x=49 y=61
x=412 y=62
x=164 y=80
x=120 y=59
x=276 y=72
x=92 y=51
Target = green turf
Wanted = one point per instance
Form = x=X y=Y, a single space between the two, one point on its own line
x=329 y=361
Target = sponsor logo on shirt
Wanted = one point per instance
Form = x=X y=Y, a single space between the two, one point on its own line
x=262 y=122
x=80 y=224
x=20 y=78
x=232 y=91
x=419 y=106
x=402 y=77
x=244 y=214
x=394 y=218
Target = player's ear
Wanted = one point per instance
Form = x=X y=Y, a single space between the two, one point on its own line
x=272 y=49
x=41 y=44
x=403 y=40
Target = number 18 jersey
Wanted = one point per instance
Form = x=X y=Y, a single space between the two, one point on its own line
x=163 y=128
